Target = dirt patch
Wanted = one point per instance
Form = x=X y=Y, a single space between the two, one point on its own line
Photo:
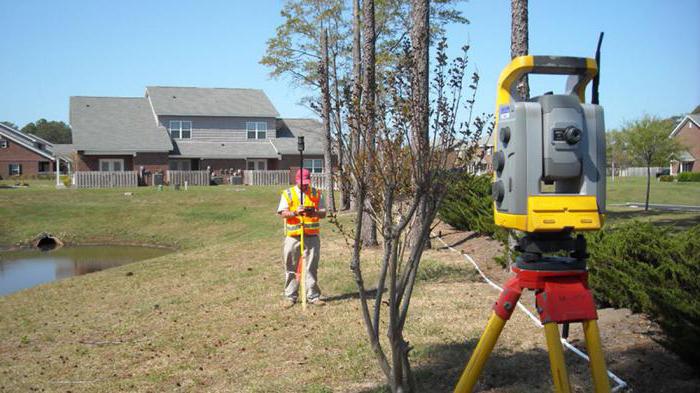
x=631 y=342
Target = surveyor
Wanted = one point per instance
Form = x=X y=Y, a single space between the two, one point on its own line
x=296 y=214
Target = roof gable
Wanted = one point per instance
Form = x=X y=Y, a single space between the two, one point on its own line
x=197 y=101
x=692 y=118
x=116 y=124
x=24 y=140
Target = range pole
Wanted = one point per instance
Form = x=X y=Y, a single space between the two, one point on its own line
x=302 y=279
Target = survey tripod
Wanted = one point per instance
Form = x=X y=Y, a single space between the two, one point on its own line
x=549 y=182
x=562 y=297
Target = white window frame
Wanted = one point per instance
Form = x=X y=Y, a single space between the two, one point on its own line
x=18 y=171
x=3 y=144
x=257 y=128
x=314 y=165
x=177 y=129
x=256 y=164
x=180 y=165
x=110 y=164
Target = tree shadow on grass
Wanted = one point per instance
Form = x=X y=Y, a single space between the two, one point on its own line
x=645 y=367
x=370 y=293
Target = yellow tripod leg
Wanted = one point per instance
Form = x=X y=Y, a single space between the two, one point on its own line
x=595 y=353
x=302 y=280
x=481 y=353
x=557 y=364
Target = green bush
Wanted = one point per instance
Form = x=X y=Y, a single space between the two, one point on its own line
x=653 y=270
x=666 y=178
x=468 y=205
x=689 y=176
x=66 y=180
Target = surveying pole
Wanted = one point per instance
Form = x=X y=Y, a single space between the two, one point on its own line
x=549 y=182
x=300 y=268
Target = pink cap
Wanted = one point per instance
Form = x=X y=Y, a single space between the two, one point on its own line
x=306 y=174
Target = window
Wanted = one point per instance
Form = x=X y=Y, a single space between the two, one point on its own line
x=3 y=144
x=314 y=165
x=44 y=166
x=687 y=166
x=111 y=165
x=256 y=165
x=180 y=129
x=256 y=129
x=15 y=169
x=180 y=165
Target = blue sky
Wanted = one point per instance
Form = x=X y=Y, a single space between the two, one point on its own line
x=52 y=50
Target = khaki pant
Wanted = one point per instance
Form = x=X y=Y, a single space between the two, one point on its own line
x=291 y=252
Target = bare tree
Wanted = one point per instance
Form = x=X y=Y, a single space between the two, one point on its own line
x=326 y=117
x=519 y=39
x=402 y=168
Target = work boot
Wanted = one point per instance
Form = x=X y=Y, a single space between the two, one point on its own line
x=317 y=302
x=288 y=302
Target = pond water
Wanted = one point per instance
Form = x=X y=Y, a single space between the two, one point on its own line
x=26 y=268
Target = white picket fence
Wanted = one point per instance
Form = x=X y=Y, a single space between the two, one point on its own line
x=193 y=178
x=266 y=178
x=105 y=179
x=639 y=171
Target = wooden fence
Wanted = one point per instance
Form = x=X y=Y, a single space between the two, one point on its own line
x=266 y=178
x=105 y=179
x=193 y=178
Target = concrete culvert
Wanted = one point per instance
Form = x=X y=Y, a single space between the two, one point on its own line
x=47 y=242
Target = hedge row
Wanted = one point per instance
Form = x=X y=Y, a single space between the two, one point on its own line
x=689 y=176
x=654 y=270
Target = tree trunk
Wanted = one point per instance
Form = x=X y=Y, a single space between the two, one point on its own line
x=646 y=203
x=369 y=89
x=420 y=42
x=345 y=187
x=326 y=115
x=356 y=94
x=519 y=40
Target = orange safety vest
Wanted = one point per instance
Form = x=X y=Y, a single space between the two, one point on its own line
x=312 y=226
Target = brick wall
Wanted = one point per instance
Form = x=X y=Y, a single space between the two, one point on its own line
x=689 y=138
x=15 y=153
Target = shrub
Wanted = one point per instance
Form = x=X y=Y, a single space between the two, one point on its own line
x=666 y=178
x=653 y=270
x=66 y=180
x=689 y=176
x=468 y=205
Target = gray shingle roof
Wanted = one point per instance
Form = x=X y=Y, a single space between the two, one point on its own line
x=197 y=101
x=695 y=118
x=230 y=150
x=27 y=140
x=116 y=124
x=289 y=129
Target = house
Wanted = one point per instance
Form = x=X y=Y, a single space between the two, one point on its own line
x=26 y=155
x=189 y=128
x=687 y=133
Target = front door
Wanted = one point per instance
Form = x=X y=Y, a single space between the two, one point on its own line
x=257 y=165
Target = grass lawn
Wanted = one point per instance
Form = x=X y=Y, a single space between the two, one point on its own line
x=633 y=189
x=208 y=317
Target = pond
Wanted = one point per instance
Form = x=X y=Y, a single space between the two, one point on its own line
x=26 y=268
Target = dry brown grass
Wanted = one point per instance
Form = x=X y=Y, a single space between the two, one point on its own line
x=209 y=318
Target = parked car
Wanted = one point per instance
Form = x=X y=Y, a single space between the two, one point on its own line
x=663 y=172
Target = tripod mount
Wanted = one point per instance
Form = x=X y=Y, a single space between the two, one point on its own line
x=562 y=296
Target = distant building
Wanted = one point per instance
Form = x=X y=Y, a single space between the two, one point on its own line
x=189 y=128
x=26 y=155
x=687 y=133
